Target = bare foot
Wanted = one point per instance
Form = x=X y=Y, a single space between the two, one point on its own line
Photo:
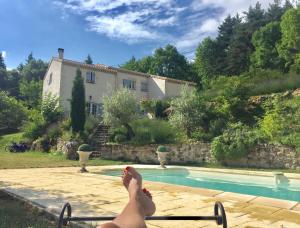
x=132 y=181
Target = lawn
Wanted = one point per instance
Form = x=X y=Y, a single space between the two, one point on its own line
x=15 y=214
x=35 y=159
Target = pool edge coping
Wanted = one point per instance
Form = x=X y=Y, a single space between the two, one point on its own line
x=258 y=200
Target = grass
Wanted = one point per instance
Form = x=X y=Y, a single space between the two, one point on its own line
x=15 y=214
x=35 y=159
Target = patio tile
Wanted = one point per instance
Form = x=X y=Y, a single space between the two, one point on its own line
x=274 y=202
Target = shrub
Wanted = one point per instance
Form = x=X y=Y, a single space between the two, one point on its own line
x=91 y=124
x=120 y=109
x=12 y=112
x=234 y=143
x=142 y=136
x=162 y=149
x=160 y=131
x=120 y=138
x=85 y=147
x=66 y=124
x=116 y=131
x=35 y=126
x=54 y=133
x=187 y=111
x=50 y=108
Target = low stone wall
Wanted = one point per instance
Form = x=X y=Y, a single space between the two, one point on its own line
x=269 y=156
x=179 y=153
x=263 y=156
x=68 y=148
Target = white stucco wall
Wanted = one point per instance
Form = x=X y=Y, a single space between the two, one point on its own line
x=106 y=81
x=157 y=88
x=138 y=80
x=54 y=86
x=105 y=84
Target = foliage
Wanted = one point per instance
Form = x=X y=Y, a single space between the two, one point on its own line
x=281 y=123
x=12 y=112
x=153 y=131
x=120 y=138
x=290 y=42
x=206 y=61
x=187 y=111
x=235 y=142
x=2 y=64
x=78 y=103
x=65 y=124
x=155 y=107
x=162 y=149
x=88 y=60
x=91 y=124
x=120 y=109
x=165 y=61
x=31 y=92
x=50 y=108
x=35 y=126
x=85 y=147
x=117 y=131
x=264 y=41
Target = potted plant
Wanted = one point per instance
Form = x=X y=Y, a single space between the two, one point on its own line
x=162 y=153
x=84 y=151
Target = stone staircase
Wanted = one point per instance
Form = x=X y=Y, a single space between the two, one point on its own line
x=99 y=138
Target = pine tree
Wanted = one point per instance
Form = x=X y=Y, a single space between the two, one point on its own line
x=29 y=58
x=88 y=60
x=226 y=33
x=78 y=103
x=2 y=64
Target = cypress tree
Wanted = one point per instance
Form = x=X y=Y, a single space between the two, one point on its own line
x=78 y=103
x=2 y=64
x=88 y=60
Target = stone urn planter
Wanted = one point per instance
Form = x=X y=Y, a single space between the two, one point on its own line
x=84 y=152
x=162 y=153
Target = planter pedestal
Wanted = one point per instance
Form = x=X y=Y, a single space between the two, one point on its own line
x=162 y=158
x=83 y=158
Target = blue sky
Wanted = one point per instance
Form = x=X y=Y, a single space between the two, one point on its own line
x=111 y=31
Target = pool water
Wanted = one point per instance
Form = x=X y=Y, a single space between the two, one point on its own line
x=288 y=189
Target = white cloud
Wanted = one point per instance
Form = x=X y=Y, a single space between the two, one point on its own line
x=209 y=27
x=158 y=21
x=4 y=54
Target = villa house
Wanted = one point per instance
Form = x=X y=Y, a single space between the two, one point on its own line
x=101 y=80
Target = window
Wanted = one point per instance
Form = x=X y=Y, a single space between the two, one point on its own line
x=94 y=109
x=50 y=79
x=90 y=77
x=144 y=87
x=129 y=84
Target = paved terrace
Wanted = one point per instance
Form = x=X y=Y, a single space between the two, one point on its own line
x=95 y=195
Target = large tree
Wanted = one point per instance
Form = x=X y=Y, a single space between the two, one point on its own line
x=88 y=60
x=289 y=48
x=2 y=64
x=169 y=62
x=240 y=47
x=78 y=112
x=225 y=34
x=120 y=109
x=264 y=41
x=12 y=112
x=206 y=60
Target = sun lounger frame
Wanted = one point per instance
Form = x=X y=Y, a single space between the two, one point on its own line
x=219 y=216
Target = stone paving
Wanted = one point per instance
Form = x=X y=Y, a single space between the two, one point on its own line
x=92 y=194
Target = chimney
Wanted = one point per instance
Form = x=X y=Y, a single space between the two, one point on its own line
x=60 y=53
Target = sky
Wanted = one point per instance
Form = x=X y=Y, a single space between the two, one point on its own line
x=111 y=31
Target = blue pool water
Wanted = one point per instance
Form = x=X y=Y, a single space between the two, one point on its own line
x=245 y=184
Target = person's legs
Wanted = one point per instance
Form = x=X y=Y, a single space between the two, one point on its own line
x=140 y=203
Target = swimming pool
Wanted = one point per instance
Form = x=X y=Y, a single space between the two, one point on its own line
x=289 y=189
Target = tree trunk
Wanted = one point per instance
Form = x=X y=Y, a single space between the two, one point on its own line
x=130 y=133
